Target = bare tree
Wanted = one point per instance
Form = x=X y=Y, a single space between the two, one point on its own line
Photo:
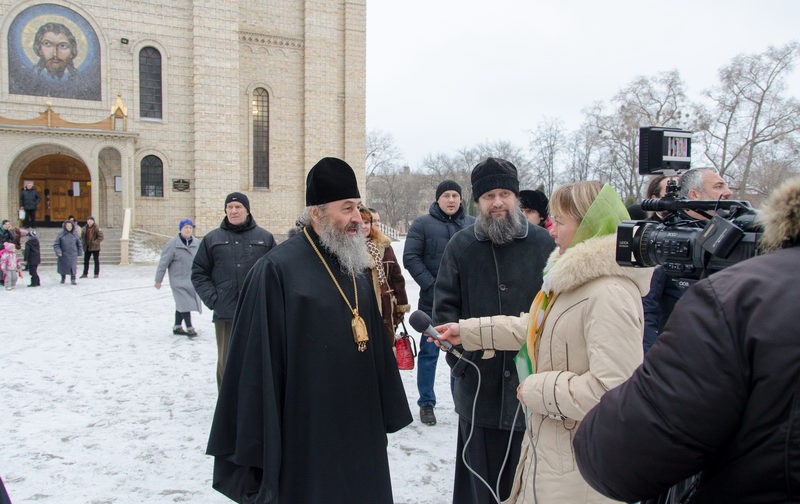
x=459 y=167
x=381 y=153
x=654 y=101
x=583 y=152
x=545 y=144
x=395 y=193
x=771 y=167
x=749 y=111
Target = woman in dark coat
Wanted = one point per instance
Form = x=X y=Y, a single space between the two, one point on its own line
x=32 y=256
x=68 y=248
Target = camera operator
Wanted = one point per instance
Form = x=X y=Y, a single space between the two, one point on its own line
x=695 y=184
x=703 y=184
x=719 y=392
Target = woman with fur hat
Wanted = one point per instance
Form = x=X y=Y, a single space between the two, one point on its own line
x=177 y=257
x=581 y=338
x=387 y=276
x=67 y=247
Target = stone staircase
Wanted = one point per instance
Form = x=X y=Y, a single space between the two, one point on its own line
x=110 y=252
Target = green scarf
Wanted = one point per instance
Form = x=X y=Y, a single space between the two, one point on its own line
x=602 y=218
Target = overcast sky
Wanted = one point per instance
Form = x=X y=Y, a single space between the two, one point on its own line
x=447 y=74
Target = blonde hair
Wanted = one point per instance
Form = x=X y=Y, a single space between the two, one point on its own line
x=574 y=199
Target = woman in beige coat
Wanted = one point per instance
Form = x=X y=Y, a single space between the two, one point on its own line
x=584 y=338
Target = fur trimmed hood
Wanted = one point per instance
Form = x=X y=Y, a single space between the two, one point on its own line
x=589 y=260
x=780 y=217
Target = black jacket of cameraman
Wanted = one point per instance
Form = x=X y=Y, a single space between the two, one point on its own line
x=719 y=393
x=664 y=292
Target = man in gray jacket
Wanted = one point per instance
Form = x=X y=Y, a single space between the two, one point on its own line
x=493 y=267
x=225 y=256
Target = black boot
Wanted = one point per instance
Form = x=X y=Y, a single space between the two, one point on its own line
x=63 y=278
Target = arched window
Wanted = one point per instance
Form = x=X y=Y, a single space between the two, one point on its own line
x=152 y=176
x=150 y=83
x=260 y=138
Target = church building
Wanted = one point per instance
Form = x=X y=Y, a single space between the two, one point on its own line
x=154 y=110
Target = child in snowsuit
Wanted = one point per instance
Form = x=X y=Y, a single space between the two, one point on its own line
x=10 y=265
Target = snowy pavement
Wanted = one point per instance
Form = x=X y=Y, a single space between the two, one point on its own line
x=102 y=404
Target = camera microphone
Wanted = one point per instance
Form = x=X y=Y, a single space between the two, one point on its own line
x=422 y=323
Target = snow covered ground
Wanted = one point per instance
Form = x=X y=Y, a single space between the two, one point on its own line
x=100 y=403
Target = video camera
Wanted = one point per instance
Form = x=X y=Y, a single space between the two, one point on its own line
x=687 y=248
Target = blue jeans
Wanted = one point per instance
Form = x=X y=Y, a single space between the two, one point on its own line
x=427 y=357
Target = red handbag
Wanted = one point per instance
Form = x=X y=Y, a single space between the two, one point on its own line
x=405 y=349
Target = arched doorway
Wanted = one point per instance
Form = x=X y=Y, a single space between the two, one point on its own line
x=63 y=183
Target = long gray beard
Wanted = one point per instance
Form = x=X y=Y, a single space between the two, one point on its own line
x=501 y=231
x=351 y=251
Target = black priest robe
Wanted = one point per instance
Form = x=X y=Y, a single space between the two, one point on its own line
x=302 y=415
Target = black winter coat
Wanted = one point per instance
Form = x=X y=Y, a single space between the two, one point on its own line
x=719 y=392
x=28 y=199
x=658 y=304
x=479 y=279
x=32 y=254
x=225 y=256
x=427 y=237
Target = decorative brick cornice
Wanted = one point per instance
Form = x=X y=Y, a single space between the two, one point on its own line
x=44 y=131
x=267 y=42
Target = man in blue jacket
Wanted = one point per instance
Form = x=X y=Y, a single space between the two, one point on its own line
x=225 y=256
x=422 y=254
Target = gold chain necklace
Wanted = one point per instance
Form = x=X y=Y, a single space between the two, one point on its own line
x=358 y=325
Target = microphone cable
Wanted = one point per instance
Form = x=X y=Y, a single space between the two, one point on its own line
x=495 y=493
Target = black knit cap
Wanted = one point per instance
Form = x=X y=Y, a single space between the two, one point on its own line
x=331 y=179
x=240 y=197
x=533 y=200
x=447 y=185
x=494 y=173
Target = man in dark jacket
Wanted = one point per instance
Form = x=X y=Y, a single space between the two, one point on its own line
x=719 y=392
x=697 y=184
x=425 y=243
x=225 y=256
x=92 y=239
x=28 y=200
x=491 y=268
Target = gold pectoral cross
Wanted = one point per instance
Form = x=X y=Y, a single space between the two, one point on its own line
x=360 y=335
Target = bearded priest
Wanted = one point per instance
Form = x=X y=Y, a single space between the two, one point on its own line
x=311 y=386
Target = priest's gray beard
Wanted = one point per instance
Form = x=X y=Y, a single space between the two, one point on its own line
x=351 y=251
x=501 y=231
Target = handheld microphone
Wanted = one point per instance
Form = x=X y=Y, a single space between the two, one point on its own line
x=422 y=323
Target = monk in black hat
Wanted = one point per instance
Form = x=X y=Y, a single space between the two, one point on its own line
x=311 y=386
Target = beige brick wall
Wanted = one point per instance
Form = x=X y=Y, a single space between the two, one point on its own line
x=310 y=56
